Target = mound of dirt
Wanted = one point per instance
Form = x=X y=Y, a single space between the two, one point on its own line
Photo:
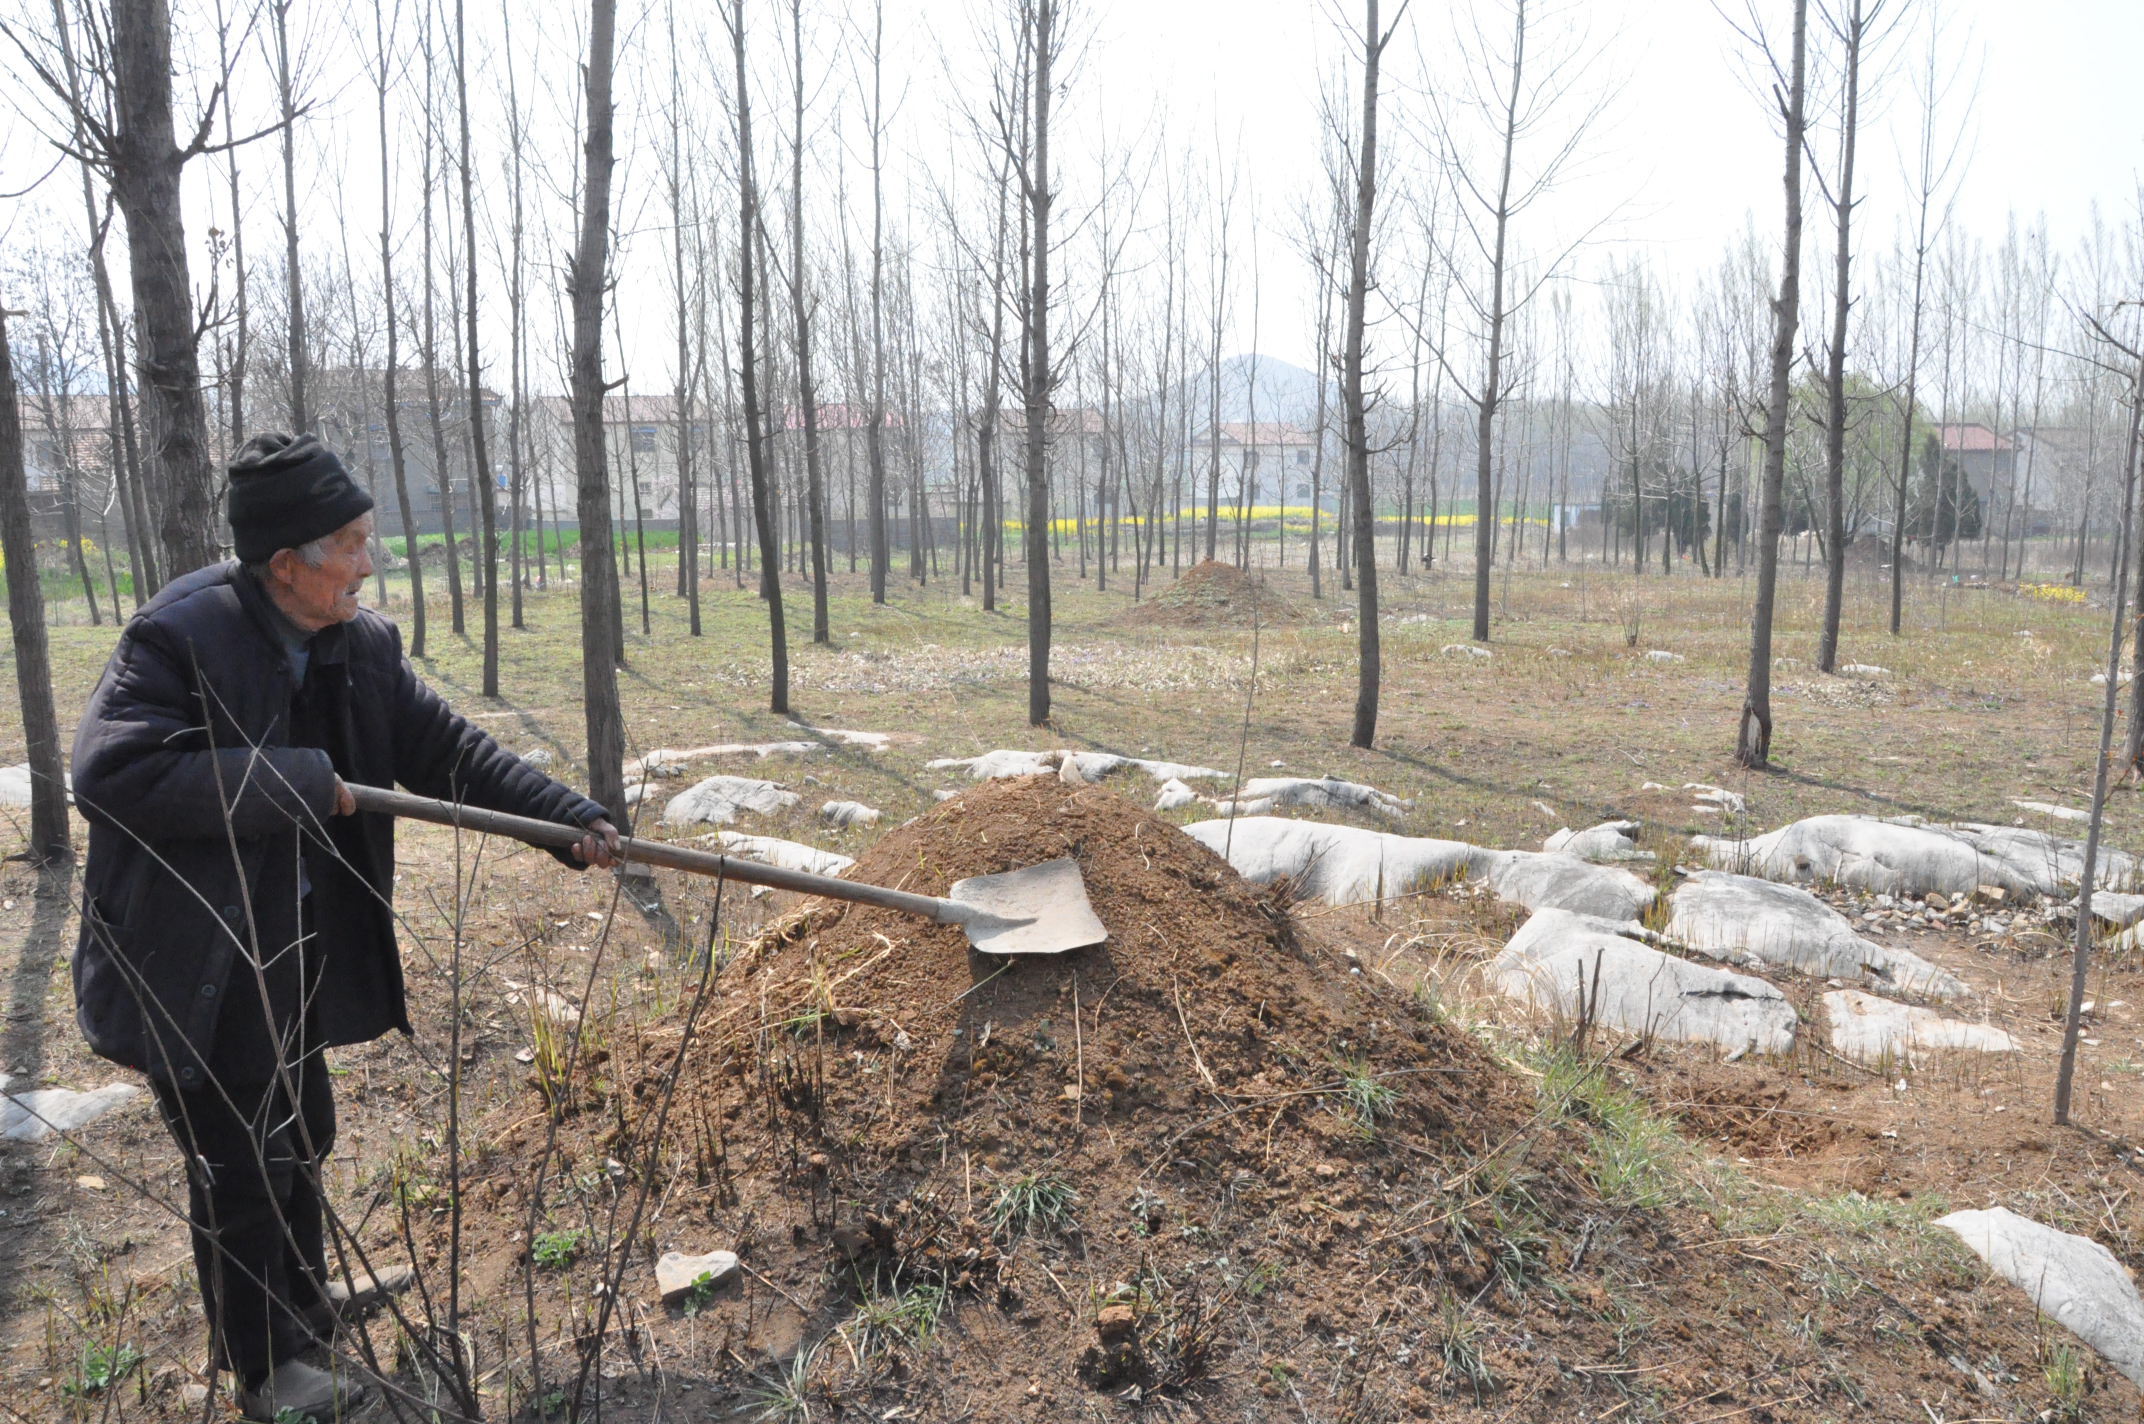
x=1117 y=1169
x=1216 y=593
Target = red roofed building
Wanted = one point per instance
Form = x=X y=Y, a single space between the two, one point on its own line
x=1987 y=458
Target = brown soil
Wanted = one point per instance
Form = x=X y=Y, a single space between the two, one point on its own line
x=866 y=1101
x=1214 y=593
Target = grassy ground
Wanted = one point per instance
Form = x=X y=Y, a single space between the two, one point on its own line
x=1821 y=1171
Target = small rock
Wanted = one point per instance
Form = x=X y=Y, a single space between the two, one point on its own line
x=1990 y=894
x=90 y=1183
x=676 y=1273
x=1937 y=900
x=537 y=756
x=1115 y=1322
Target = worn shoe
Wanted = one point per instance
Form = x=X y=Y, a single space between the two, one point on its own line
x=297 y=1390
x=362 y=1292
x=350 y=1301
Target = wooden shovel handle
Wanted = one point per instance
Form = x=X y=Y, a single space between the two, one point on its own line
x=698 y=862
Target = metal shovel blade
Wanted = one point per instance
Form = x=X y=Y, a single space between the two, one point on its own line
x=1042 y=909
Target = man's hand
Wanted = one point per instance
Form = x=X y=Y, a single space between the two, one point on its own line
x=345 y=801
x=599 y=847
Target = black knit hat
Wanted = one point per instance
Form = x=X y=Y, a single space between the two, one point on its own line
x=289 y=491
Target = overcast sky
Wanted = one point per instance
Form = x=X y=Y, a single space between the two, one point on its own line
x=1682 y=159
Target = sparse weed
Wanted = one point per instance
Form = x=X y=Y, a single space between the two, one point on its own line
x=1638 y=1155
x=700 y=1294
x=1030 y=1201
x=556 y=1250
x=1362 y=1098
x=1459 y=1345
x=100 y=1367
x=785 y=1394
x=888 y=1320
x=2067 y=1381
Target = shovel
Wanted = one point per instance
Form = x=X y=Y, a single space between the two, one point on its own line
x=1040 y=910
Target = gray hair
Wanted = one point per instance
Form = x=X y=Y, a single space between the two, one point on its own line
x=312 y=554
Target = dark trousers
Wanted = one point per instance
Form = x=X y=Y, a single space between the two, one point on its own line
x=253 y=1156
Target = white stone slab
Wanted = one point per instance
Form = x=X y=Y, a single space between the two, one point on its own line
x=1871 y=1030
x=1174 y=795
x=789 y=855
x=1604 y=844
x=1549 y=880
x=39 y=1113
x=1340 y=865
x=1265 y=793
x=676 y=1274
x=1570 y=965
x=844 y=814
x=2072 y=1279
x=1753 y=922
x=2051 y=810
x=718 y=799
x=1063 y=762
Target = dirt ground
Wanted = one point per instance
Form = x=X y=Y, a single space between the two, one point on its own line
x=1649 y=1234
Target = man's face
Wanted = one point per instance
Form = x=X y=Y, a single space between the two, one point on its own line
x=315 y=598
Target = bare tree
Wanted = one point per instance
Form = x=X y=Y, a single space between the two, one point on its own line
x=800 y=310
x=1516 y=88
x=301 y=410
x=49 y=838
x=481 y=488
x=1854 y=24
x=1933 y=162
x=381 y=72
x=1753 y=742
x=1042 y=38
x=435 y=410
x=1354 y=400
x=587 y=279
x=874 y=437
x=763 y=511
x=116 y=99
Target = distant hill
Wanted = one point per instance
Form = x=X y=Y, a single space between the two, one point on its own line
x=1283 y=391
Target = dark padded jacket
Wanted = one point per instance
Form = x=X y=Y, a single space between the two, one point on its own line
x=200 y=808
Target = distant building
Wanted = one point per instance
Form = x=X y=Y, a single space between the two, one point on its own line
x=1987 y=459
x=1262 y=463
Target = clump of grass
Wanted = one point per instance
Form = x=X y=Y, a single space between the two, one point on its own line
x=1032 y=1201
x=1362 y=1098
x=785 y=1393
x=904 y=1317
x=1639 y=1159
x=1459 y=1347
x=2067 y=1382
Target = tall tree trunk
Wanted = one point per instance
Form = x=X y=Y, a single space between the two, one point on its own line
x=874 y=442
x=1492 y=394
x=599 y=574
x=763 y=512
x=301 y=410
x=481 y=489
x=1042 y=39
x=442 y=468
x=49 y=838
x=1827 y=647
x=146 y=162
x=390 y=377
x=800 y=314
x=1354 y=403
x=517 y=342
x=1753 y=742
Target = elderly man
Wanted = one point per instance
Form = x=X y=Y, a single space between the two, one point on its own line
x=236 y=915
